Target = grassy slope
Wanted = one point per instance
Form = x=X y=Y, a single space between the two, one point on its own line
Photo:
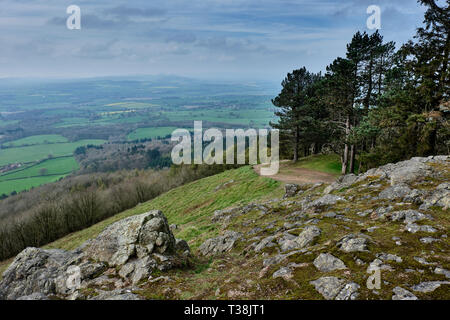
x=325 y=163
x=191 y=206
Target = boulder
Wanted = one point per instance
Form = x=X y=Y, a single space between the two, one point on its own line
x=334 y=288
x=138 y=236
x=397 y=191
x=402 y=294
x=353 y=243
x=291 y=190
x=326 y=262
x=220 y=244
x=440 y=197
x=134 y=247
x=40 y=271
x=308 y=236
x=326 y=200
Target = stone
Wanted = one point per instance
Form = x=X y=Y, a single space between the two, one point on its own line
x=428 y=286
x=334 y=288
x=284 y=272
x=291 y=190
x=139 y=235
x=265 y=243
x=389 y=257
x=220 y=244
x=442 y=271
x=439 y=197
x=134 y=246
x=116 y=295
x=326 y=200
x=326 y=262
x=36 y=270
x=414 y=228
x=408 y=216
x=395 y=192
x=353 y=243
x=402 y=294
x=342 y=182
x=428 y=240
x=308 y=236
x=34 y=296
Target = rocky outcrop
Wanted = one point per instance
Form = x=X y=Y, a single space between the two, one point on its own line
x=220 y=244
x=333 y=288
x=326 y=262
x=130 y=249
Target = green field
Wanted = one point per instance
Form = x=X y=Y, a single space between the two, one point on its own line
x=55 y=166
x=32 y=176
x=6 y=187
x=33 y=140
x=143 y=133
x=38 y=152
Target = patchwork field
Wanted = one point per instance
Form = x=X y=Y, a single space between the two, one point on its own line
x=40 y=139
x=143 y=133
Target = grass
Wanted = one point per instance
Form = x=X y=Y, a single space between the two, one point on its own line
x=39 y=152
x=143 y=133
x=44 y=172
x=39 y=139
x=329 y=163
x=191 y=206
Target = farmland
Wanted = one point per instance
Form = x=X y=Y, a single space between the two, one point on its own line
x=42 y=122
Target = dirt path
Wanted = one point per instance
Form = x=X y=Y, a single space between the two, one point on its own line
x=289 y=174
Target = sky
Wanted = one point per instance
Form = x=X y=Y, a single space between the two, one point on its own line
x=211 y=39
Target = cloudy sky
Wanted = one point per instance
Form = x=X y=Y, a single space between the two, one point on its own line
x=221 y=39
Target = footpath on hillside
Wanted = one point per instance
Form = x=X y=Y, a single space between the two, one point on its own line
x=291 y=174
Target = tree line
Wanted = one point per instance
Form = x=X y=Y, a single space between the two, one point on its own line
x=377 y=104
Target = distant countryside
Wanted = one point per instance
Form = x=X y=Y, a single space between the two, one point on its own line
x=52 y=120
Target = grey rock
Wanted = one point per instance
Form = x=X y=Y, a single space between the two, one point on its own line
x=429 y=286
x=353 y=243
x=428 y=240
x=389 y=257
x=291 y=190
x=284 y=272
x=136 y=245
x=220 y=244
x=334 y=288
x=442 y=271
x=326 y=200
x=342 y=182
x=308 y=236
x=37 y=270
x=139 y=235
x=34 y=296
x=408 y=216
x=116 y=295
x=395 y=192
x=414 y=228
x=326 y=262
x=402 y=294
x=439 y=197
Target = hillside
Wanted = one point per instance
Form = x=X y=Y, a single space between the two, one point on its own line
x=318 y=241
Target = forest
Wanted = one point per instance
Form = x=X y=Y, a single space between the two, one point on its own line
x=377 y=104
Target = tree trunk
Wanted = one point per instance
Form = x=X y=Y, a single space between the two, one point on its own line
x=296 y=144
x=352 y=158
x=345 y=157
